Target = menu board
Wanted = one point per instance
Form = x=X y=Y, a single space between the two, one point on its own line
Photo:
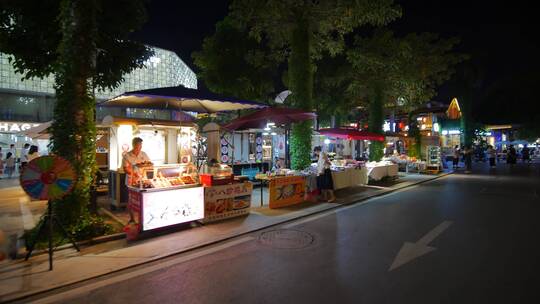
x=286 y=191
x=226 y=201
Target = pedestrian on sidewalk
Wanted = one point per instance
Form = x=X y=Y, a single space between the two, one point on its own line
x=457 y=153
x=525 y=154
x=467 y=155
x=324 y=178
x=492 y=154
x=24 y=156
x=511 y=156
x=33 y=153
x=10 y=164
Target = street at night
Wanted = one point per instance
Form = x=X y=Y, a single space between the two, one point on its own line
x=269 y=151
x=485 y=252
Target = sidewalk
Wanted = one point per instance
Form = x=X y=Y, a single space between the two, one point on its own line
x=19 y=279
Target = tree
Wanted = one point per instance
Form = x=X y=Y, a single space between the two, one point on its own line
x=232 y=63
x=85 y=45
x=301 y=31
x=404 y=72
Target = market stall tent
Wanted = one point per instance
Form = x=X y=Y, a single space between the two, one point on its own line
x=180 y=99
x=351 y=134
x=260 y=118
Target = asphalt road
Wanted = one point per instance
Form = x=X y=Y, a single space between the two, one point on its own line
x=471 y=239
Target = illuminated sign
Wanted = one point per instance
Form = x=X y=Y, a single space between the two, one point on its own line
x=14 y=127
x=172 y=207
x=450 y=132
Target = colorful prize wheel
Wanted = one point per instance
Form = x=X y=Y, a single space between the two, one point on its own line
x=47 y=178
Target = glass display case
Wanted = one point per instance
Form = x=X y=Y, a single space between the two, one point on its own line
x=433 y=161
x=166 y=176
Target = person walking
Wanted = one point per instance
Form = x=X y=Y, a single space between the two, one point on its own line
x=10 y=164
x=324 y=179
x=492 y=154
x=32 y=153
x=467 y=155
x=457 y=153
x=511 y=156
x=526 y=154
x=24 y=155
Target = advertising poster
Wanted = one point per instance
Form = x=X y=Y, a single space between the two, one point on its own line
x=286 y=191
x=226 y=201
x=157 y=209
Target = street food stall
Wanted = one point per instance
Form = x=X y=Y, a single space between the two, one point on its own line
x=264 y=135
x=165 y=142
x=165 y=195
x=348 y=172
x=225 y=195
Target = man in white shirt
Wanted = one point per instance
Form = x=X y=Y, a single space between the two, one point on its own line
x=24 y=155
x=133 y=159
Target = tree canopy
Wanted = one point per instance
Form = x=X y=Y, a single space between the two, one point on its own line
x=30 y=31
x=232 y=63
x=409 y=69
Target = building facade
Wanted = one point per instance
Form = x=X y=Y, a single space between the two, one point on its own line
x=27 y=103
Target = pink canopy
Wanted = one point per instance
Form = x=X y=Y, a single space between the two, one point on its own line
x=351 y=134
x=279 y=116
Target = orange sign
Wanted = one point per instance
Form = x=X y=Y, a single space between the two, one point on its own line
x=286 y=191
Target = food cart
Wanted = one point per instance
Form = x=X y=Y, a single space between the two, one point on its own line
x=225 y=196
x=165 y=142
x=165 y=195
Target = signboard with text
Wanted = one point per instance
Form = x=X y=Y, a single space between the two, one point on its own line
x=286 y=191
x=226 y=201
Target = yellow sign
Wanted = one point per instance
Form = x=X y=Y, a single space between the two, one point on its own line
x=286 y=191
x=454 y=112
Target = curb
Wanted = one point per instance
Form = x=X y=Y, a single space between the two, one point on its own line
x=210 y=243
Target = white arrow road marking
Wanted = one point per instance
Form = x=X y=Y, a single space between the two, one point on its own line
x=410 y=251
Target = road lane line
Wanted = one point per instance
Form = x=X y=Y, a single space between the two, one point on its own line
x=63 y=296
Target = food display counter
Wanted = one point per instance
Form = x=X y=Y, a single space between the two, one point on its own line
x=348 y=173
x=379 y=170
x=164 y=196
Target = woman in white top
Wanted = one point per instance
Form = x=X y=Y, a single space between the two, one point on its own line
x=324 y=178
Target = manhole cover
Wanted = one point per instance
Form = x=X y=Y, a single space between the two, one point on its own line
x=286 y=239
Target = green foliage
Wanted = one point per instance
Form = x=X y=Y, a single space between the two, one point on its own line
x=302 y=31
x=31 y=31
x=232 y=63
x=376 y=151
x=331 y=80
x=415 y=149
x=300 y=145
x=85 y=45
x=409 y=68
x=328 y=20
x=86 y=228
x=376 y=119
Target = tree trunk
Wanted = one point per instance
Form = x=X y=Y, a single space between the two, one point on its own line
x=301 y=85
x=73 y=128
x=376 y=120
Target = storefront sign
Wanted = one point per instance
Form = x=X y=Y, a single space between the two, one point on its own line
x=226 y=201
x=168 y=207
x=286 y=191
x=14 y=127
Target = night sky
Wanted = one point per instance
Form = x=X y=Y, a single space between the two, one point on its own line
x=500 y=38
